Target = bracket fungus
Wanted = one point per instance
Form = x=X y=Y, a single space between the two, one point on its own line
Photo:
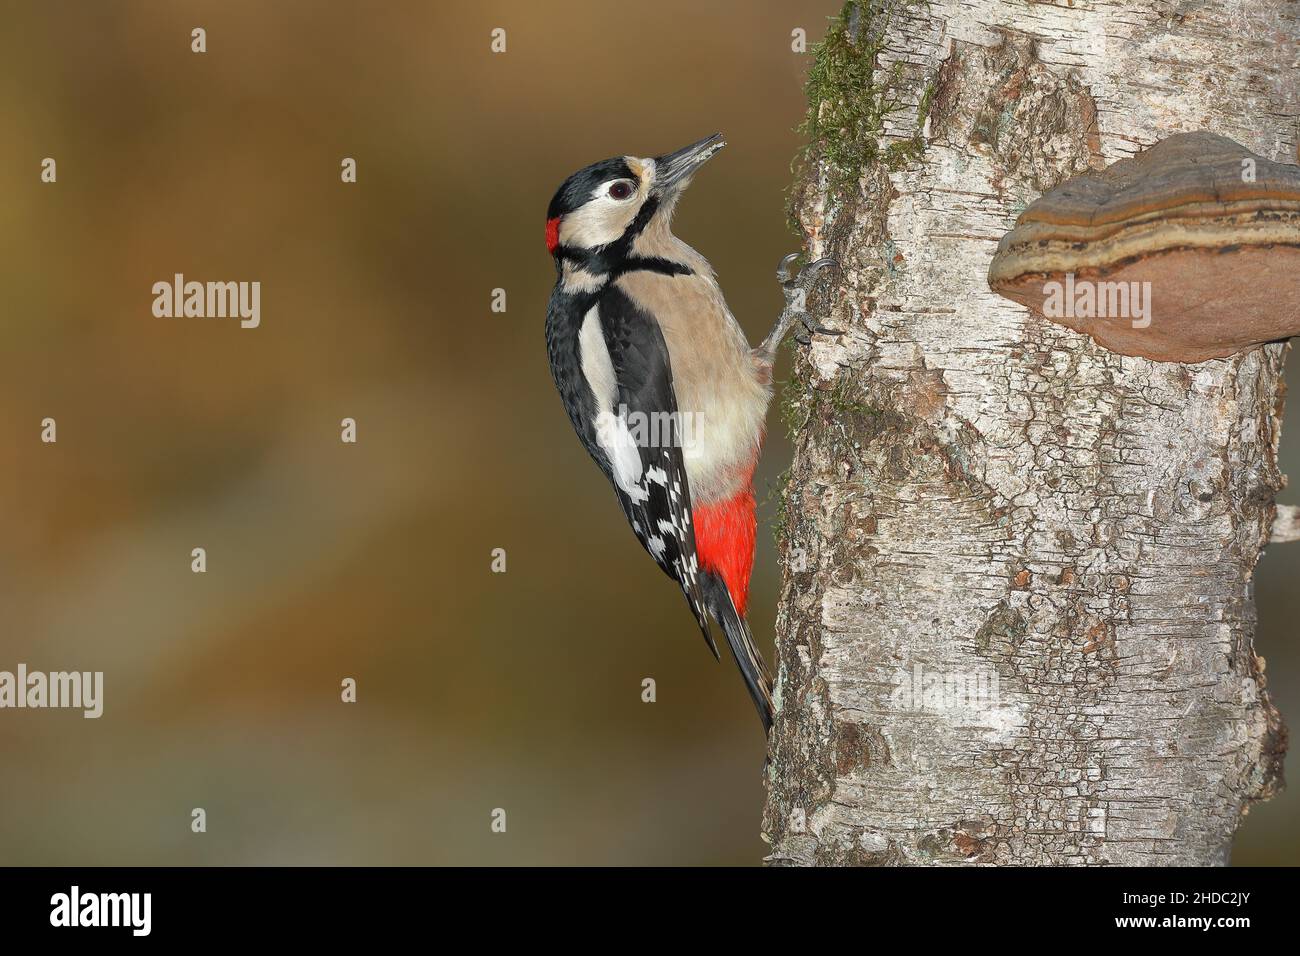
x=1187 y=251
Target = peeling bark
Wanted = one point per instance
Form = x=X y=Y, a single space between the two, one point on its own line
x=1016 y=622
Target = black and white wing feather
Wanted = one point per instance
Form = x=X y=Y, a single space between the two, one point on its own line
x=637 y=432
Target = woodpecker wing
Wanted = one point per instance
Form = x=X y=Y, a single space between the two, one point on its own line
x=627 y=367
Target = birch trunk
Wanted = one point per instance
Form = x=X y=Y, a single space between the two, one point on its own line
x=1016 y=621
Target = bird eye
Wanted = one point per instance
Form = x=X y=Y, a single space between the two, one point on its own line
x=620 y=190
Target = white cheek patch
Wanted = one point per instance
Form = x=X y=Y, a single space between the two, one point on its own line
x=603 y=219
x=612 y=433
x=598 y=223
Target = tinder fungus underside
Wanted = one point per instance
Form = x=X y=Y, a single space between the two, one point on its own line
x=1187 y=251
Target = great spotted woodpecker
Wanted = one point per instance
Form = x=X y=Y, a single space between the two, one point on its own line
x=660 y=383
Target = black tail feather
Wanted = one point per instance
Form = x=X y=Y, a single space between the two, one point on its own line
x=748 y=659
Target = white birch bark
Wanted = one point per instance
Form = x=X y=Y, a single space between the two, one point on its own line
x=984 y=503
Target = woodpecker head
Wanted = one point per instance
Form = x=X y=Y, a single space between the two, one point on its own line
x=600 y=210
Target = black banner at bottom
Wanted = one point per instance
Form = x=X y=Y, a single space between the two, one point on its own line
x=92 y=906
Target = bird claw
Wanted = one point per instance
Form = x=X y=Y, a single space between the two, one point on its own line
x=806 y=274
x=817 y=265
x=796 y=289
x=783 y=269
x=817 y=329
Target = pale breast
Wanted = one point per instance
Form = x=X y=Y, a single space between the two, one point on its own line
x=722 y=403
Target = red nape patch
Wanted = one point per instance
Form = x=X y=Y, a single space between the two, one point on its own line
x=552 y=235
x=724 y=542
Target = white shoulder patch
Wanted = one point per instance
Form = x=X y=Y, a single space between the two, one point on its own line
x=612 y=433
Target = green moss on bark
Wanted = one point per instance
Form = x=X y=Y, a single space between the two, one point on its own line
x=850 y=97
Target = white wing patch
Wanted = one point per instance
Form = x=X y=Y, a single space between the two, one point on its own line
x=612 y=432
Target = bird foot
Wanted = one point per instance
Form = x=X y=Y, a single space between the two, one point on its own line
x=796 y=289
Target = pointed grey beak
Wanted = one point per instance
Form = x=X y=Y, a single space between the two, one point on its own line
x=673 y=171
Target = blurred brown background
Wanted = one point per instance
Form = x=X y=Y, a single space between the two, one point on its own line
x=327 y=560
